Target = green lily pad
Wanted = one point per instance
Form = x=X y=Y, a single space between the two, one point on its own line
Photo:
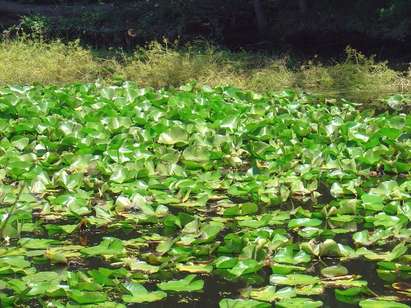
x=173 y=135
x=82 y=297
x=108 y=247
x=244 y=267
x=288 y=255
x=334 y=271
x=271 y=294
x=194 y=268
x=299 y=303
x=187 y=284
x=242 y=303
x=139 y=294
x=294 y=280
x=375 y=303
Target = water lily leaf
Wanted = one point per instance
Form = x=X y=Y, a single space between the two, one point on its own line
x=225 y=262
x=56 y=229
x=389 y=132
x=299 y=303
x=82 y=297
x=187 y=284
x=304 y=222
x=173 y=135
x=33 y=243
x=350 y=292
x=13 y=263
x=309 y=232
x=49 y=288
x=382 y=219
x=142 y=266
x=208 y=232
x=198 y=154
x=270 y=294
x=242 y=303
x=139 y=294
x=284 y=269
x=375 y=303
x=100 y=305
x=41 y=277
x=245 y=267
x=372 y=202
x=253 y=223
x=195 y=268
x=164 y=246
x=108 y=247
x=241 y=210
x=396 y=252
x=365 y=238
x=288 y=255
x=329 y=248
x=20 y=143
x=120 y=175
x=333 y=271
x=294 y=280
x=309 y=290
x=386 y=189
x=346 y=282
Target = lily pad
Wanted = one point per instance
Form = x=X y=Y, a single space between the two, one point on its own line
x=139 y=294
x=333 y=271
x=187 y=284
x=375 y=303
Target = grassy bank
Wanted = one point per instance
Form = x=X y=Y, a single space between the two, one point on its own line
x=159 y=65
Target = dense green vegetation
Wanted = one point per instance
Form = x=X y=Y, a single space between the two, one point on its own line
x=35 y=61
x=116 y=194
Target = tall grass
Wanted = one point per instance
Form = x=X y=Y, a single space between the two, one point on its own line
x=29 y=61
x=34 y=61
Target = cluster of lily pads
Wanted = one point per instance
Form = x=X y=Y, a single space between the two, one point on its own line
x=115 y=195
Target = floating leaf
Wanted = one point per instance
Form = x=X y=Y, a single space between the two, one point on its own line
x=187 y=284
x=244 y=267
x=194 y=268
x=173 y=135
x=299 y=303
x=375 y=303
x=288 y=255
x=333 y=271
x=293 y=280
x=242 y=303
x=271 y=294
x=139 y=294
x=108 y=247
x=82 y=297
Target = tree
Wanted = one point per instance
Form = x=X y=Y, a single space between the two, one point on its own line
x=260 y=17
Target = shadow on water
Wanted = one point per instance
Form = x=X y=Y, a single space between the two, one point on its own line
x=215 y=288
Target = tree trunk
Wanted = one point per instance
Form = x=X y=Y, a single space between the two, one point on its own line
x=302 y=4
x=260 y=17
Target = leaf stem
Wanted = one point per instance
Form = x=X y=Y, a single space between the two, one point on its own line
x=11 y=212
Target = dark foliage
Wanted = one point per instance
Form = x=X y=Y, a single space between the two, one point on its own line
x=321 y=26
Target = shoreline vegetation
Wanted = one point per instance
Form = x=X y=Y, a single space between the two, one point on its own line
x=166 y=65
